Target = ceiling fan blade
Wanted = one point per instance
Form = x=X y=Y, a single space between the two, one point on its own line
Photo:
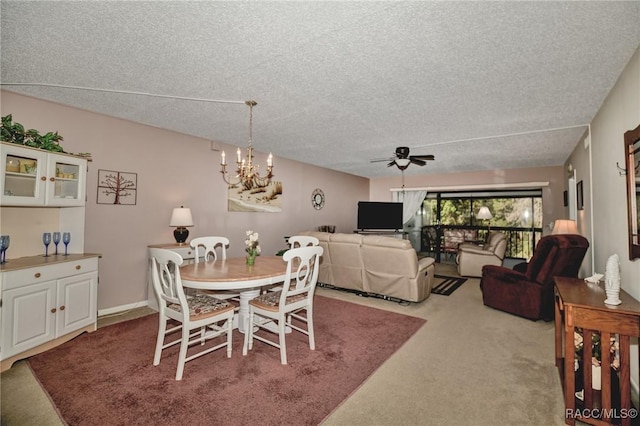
x=423 y=157
x=379 y=160
x=391 y=163
x=417 y=161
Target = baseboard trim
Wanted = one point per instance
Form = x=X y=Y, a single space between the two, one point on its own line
x=121 y=308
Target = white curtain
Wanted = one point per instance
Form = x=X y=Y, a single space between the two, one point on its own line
x=411 y=202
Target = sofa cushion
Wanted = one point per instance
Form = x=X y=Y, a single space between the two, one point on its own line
x=390 y=242
x=346 y=260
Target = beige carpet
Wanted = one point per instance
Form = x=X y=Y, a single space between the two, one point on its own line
x=470 y=365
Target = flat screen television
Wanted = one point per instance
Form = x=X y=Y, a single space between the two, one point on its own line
x=379 y=215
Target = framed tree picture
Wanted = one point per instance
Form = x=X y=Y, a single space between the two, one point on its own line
x=117 y=187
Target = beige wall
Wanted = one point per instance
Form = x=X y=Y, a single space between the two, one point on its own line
x=552 y=201
x=174 y=169
x=580 y=164
x=619 y=112
x=605 y=214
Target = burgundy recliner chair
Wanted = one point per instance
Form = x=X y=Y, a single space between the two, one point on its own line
x=527 y=290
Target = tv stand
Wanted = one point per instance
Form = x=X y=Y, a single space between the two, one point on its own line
x=385 y=232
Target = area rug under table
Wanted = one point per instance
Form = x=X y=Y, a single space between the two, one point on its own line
x=108 y=378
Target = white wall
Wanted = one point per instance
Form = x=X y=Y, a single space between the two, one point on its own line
x=173 y=169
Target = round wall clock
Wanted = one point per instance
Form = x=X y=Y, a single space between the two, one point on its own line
x=317 y=199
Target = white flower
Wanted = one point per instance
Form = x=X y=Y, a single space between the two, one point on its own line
x=253 y=247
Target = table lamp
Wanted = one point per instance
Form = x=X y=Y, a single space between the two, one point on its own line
x=181 y=218
x=564 y=226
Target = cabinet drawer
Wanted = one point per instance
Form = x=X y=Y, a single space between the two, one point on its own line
x=18 y=278
x=186 y=252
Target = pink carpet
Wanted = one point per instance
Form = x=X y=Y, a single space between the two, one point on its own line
x=108 y=378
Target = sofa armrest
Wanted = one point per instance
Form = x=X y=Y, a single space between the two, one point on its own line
x=464 y=246
x=511 y=291
x=476 y=251
x=426 y=273
x=424 y=263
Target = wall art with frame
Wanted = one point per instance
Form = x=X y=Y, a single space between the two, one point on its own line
x=119 y=188
x=580 y=196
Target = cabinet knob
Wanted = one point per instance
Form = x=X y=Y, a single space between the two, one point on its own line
x=62 y=308
x=43 y=178
x=78 y=267
x=52 y=179
x=37 y=275
x=53 y=310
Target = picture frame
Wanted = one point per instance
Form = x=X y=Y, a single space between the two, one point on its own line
x=580 y=196
x=119 y=188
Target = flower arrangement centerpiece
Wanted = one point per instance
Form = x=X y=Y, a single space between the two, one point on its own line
x=253 y=247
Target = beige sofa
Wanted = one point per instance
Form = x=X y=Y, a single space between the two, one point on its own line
x=471 y=257
x=375 y=265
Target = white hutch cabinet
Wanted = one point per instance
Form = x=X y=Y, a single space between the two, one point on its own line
x=44 y=301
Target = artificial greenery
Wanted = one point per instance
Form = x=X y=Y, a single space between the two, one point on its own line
x=15 y=133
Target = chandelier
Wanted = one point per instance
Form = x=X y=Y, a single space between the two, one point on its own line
x=246 y=172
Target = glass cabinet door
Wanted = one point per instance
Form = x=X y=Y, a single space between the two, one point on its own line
x=22 y=179
x=66 y=180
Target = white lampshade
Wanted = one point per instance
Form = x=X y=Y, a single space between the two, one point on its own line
x=181 y=217
x=564 y=226
x=484 y=213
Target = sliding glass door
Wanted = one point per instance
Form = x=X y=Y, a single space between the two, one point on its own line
x=448 y=219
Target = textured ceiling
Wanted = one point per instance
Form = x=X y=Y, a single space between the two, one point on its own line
x=481 y=85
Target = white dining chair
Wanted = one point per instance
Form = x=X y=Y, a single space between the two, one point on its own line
x=206 y=248
x=213 y=248
x=303 y=241
x=198 y=315
x=291 y=307
x=295 y=241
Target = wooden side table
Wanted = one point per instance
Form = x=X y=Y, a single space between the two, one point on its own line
x=578 y=304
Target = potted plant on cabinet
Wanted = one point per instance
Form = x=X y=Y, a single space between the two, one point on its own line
x=15 y=133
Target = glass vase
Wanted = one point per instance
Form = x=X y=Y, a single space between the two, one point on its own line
x=251 y=259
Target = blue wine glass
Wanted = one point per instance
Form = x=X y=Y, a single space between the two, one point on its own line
x=56 y=240
x=3 y=247
x=7 y=240
x=46 y=239
x=66 y=239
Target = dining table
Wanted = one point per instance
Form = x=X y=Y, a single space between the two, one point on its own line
x=234 y=274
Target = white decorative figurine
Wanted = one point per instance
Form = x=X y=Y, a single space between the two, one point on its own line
x=612 y=280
